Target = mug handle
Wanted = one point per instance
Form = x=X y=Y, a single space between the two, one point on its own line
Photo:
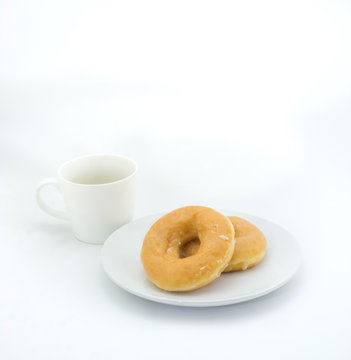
x=57 y=213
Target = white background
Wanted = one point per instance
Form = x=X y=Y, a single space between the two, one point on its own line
x=237 y=105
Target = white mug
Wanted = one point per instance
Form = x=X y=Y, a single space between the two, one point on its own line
x=99 y=195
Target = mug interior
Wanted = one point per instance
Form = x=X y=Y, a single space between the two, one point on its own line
x=97 y=169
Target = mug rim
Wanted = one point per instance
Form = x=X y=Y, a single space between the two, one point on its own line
x=61 y=177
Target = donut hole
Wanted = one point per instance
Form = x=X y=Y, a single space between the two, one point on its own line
x=189 y=248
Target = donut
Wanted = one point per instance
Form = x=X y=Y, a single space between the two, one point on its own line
x=161 y=256
x=250 y=246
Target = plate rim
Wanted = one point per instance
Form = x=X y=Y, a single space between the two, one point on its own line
x=200 y=302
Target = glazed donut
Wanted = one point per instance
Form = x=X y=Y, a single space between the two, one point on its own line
x=160 y=254
x=250 y=246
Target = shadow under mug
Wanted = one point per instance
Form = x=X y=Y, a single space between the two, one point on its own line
x=98 y=192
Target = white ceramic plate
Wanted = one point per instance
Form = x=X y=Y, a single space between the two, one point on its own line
x=121 y=261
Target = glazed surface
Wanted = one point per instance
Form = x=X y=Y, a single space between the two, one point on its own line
x=250 y=246
x=161 y=253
